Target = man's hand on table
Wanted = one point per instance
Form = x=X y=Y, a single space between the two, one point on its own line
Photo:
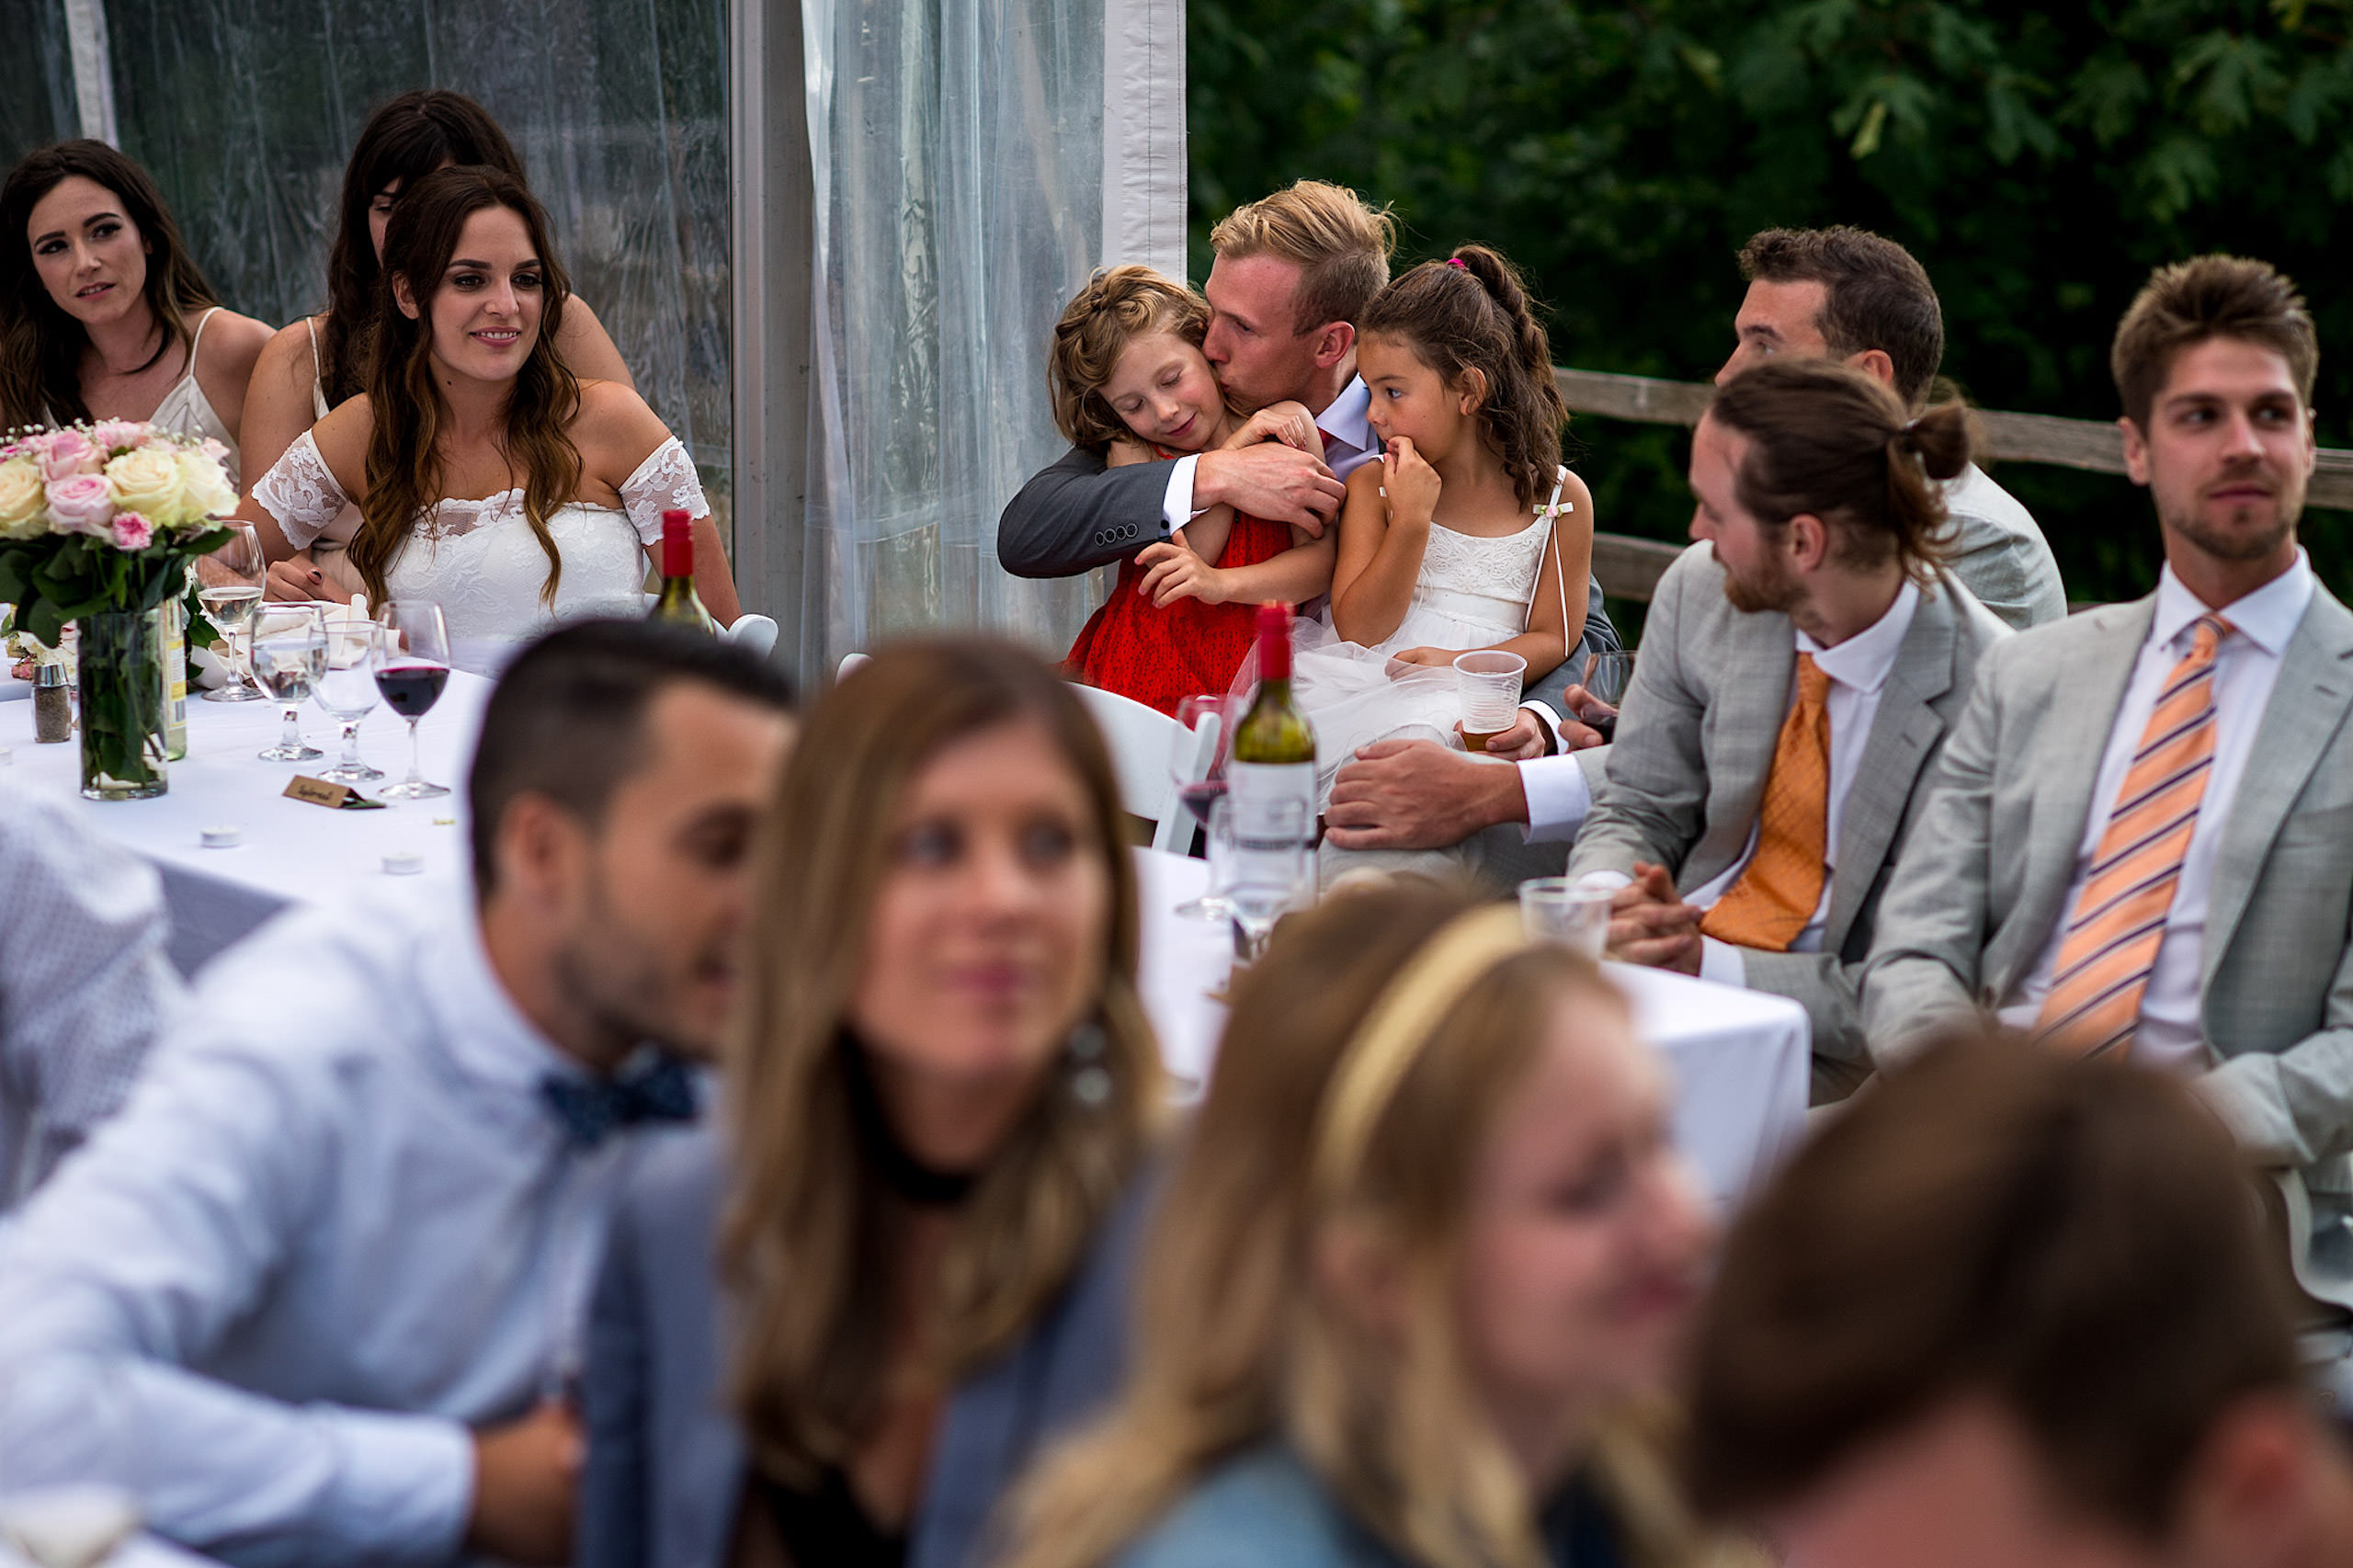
x=296 y=579
x=1272 y=480
x=525 y=1476
x=1419 y=795
x=1649 y=925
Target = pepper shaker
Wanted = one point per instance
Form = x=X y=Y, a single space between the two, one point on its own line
x=53 y=704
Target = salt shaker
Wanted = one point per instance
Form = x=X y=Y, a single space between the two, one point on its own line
x=53 y=704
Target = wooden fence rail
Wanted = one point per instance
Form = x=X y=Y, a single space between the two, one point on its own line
x=1629 y=568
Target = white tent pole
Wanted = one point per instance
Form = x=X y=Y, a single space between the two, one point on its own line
x=1143 y=133
x=85 y=36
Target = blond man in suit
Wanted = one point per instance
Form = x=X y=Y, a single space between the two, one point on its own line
x=2140 y=838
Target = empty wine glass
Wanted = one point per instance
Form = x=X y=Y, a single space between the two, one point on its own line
x=1262 y=860
x=411 y=660
x=347 y=691
x=229 y=584
x=1201 y=795
x=290 y=658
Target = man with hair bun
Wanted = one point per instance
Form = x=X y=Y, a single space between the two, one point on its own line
x=1802 y=666
x=1848 y=295
x=2139 y=843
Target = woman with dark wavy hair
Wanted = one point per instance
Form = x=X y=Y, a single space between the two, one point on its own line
x=489 y=476
x=103 y=313
x=321 y=361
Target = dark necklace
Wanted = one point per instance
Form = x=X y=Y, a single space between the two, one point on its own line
x=925 y=1187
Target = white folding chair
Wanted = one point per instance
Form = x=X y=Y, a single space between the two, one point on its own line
x=849 y=662
x=756 y=632
x=1140 y=739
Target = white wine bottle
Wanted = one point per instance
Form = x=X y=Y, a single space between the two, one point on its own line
x=1274 y=746
x=679 y=604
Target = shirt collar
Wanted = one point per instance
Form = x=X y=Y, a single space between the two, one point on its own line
x=2266 y=618
x=1864 y=661
x=482 y=1029
x=1344 y=419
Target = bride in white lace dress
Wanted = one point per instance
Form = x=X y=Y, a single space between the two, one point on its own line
x=490 y=480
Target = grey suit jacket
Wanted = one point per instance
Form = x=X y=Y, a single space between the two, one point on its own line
x=667 y=1464
x=1999 y=553
x=1079 y=515
x=1973 y=907
x=1687 y=775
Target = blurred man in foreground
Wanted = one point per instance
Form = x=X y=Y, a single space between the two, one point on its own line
x=2014 y=1309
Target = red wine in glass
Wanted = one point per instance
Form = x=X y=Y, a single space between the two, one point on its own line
x=1202 y=798
x=410 y=689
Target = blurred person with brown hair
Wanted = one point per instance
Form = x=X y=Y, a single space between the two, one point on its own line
x=2139 y=840
x=1849 y=295
x=1423 y=1267
x=830 y=1337
x=1801 y=667
x=2016 y=1310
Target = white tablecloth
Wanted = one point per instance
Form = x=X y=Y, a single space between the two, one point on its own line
x=1739 y=1057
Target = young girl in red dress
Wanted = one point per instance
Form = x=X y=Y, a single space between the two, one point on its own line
x=1128 y=380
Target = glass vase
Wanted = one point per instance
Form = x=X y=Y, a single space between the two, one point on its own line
x=123 y=710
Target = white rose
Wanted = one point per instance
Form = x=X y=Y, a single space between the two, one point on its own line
x=204 y=486
x=24 y=500
x=148 y=482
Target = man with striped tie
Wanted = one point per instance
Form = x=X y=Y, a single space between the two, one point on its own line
x=2139 y=843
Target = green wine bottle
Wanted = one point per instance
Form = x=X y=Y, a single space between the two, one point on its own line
x=1274 y=746
x=678 y=603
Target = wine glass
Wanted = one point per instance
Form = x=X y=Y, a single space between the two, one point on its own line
x=1201 y=795
x=289 y=659
x=347 y=691
x=1607 y=675
x=229 y=584
x=1262 y=859
x=411 y=659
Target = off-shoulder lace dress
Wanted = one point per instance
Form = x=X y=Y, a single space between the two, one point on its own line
x=479 y=560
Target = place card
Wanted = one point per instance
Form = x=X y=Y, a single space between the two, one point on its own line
x=336 y=797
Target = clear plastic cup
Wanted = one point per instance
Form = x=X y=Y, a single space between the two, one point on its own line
x=1488 y=682
x=1557 y=909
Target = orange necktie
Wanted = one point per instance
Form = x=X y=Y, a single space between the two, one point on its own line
x=2118 y=921
x=1777 y=894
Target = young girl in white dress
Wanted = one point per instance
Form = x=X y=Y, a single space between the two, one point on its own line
x=1468 y=531
x=490 y=479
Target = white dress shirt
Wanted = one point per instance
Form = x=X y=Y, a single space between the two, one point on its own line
x=1857 y=668
x=85 y=984
x=2246 y=666
x=1349 y=445
x=336 y=1226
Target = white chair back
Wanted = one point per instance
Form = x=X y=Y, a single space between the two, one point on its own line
x=1140 y=739
x=849 y=662
x=755 y=632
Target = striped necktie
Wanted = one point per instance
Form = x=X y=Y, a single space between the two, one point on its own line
x=1777 y=894
x=2118 y=922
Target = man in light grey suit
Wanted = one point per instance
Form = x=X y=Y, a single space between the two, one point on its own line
x=1801 y=665
x=2210 y=937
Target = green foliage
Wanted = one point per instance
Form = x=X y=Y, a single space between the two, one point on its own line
x=2039 y=159
x=54 y=578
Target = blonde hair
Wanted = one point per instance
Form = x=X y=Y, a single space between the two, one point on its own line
x=1118 y=305
x=805 y=1246
x=1237 y=1338
x=1341 y=245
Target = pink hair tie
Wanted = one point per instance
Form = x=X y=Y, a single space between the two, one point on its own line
x=1455 y=261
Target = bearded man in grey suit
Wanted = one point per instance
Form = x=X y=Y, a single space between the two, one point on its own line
x=1799 y=670
x=2140 y=839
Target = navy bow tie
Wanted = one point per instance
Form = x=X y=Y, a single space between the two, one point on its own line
x=591 y=1109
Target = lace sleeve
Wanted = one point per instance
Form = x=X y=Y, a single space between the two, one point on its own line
x=301 y=493
x=664 y=482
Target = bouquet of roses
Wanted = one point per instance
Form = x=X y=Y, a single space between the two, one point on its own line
x=105 y=516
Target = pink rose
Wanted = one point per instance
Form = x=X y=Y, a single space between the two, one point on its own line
x=82 y=503
x=132 y=531
x=117 y=435
x=70 y=452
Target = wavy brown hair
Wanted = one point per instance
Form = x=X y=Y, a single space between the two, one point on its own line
x=806 y=1244
x=406 y=140
x=403 y=449
x=40 y=344
x=1239 y=1338
x=1118 y=305
x=1471 y=312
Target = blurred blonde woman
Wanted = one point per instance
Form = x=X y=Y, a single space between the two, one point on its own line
x=1423 y=1269
x=832 y=1340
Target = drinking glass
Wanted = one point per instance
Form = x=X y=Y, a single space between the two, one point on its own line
x=229 y=584
x=1607 y=675
x=1201 y=795
x=1487 y=680
x=289 y=659
x=1560 y=908
x=347 y=691
x=1261 y=858
x=411 y=660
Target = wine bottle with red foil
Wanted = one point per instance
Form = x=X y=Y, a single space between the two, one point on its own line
x=678 y=603
x=1274 y=746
